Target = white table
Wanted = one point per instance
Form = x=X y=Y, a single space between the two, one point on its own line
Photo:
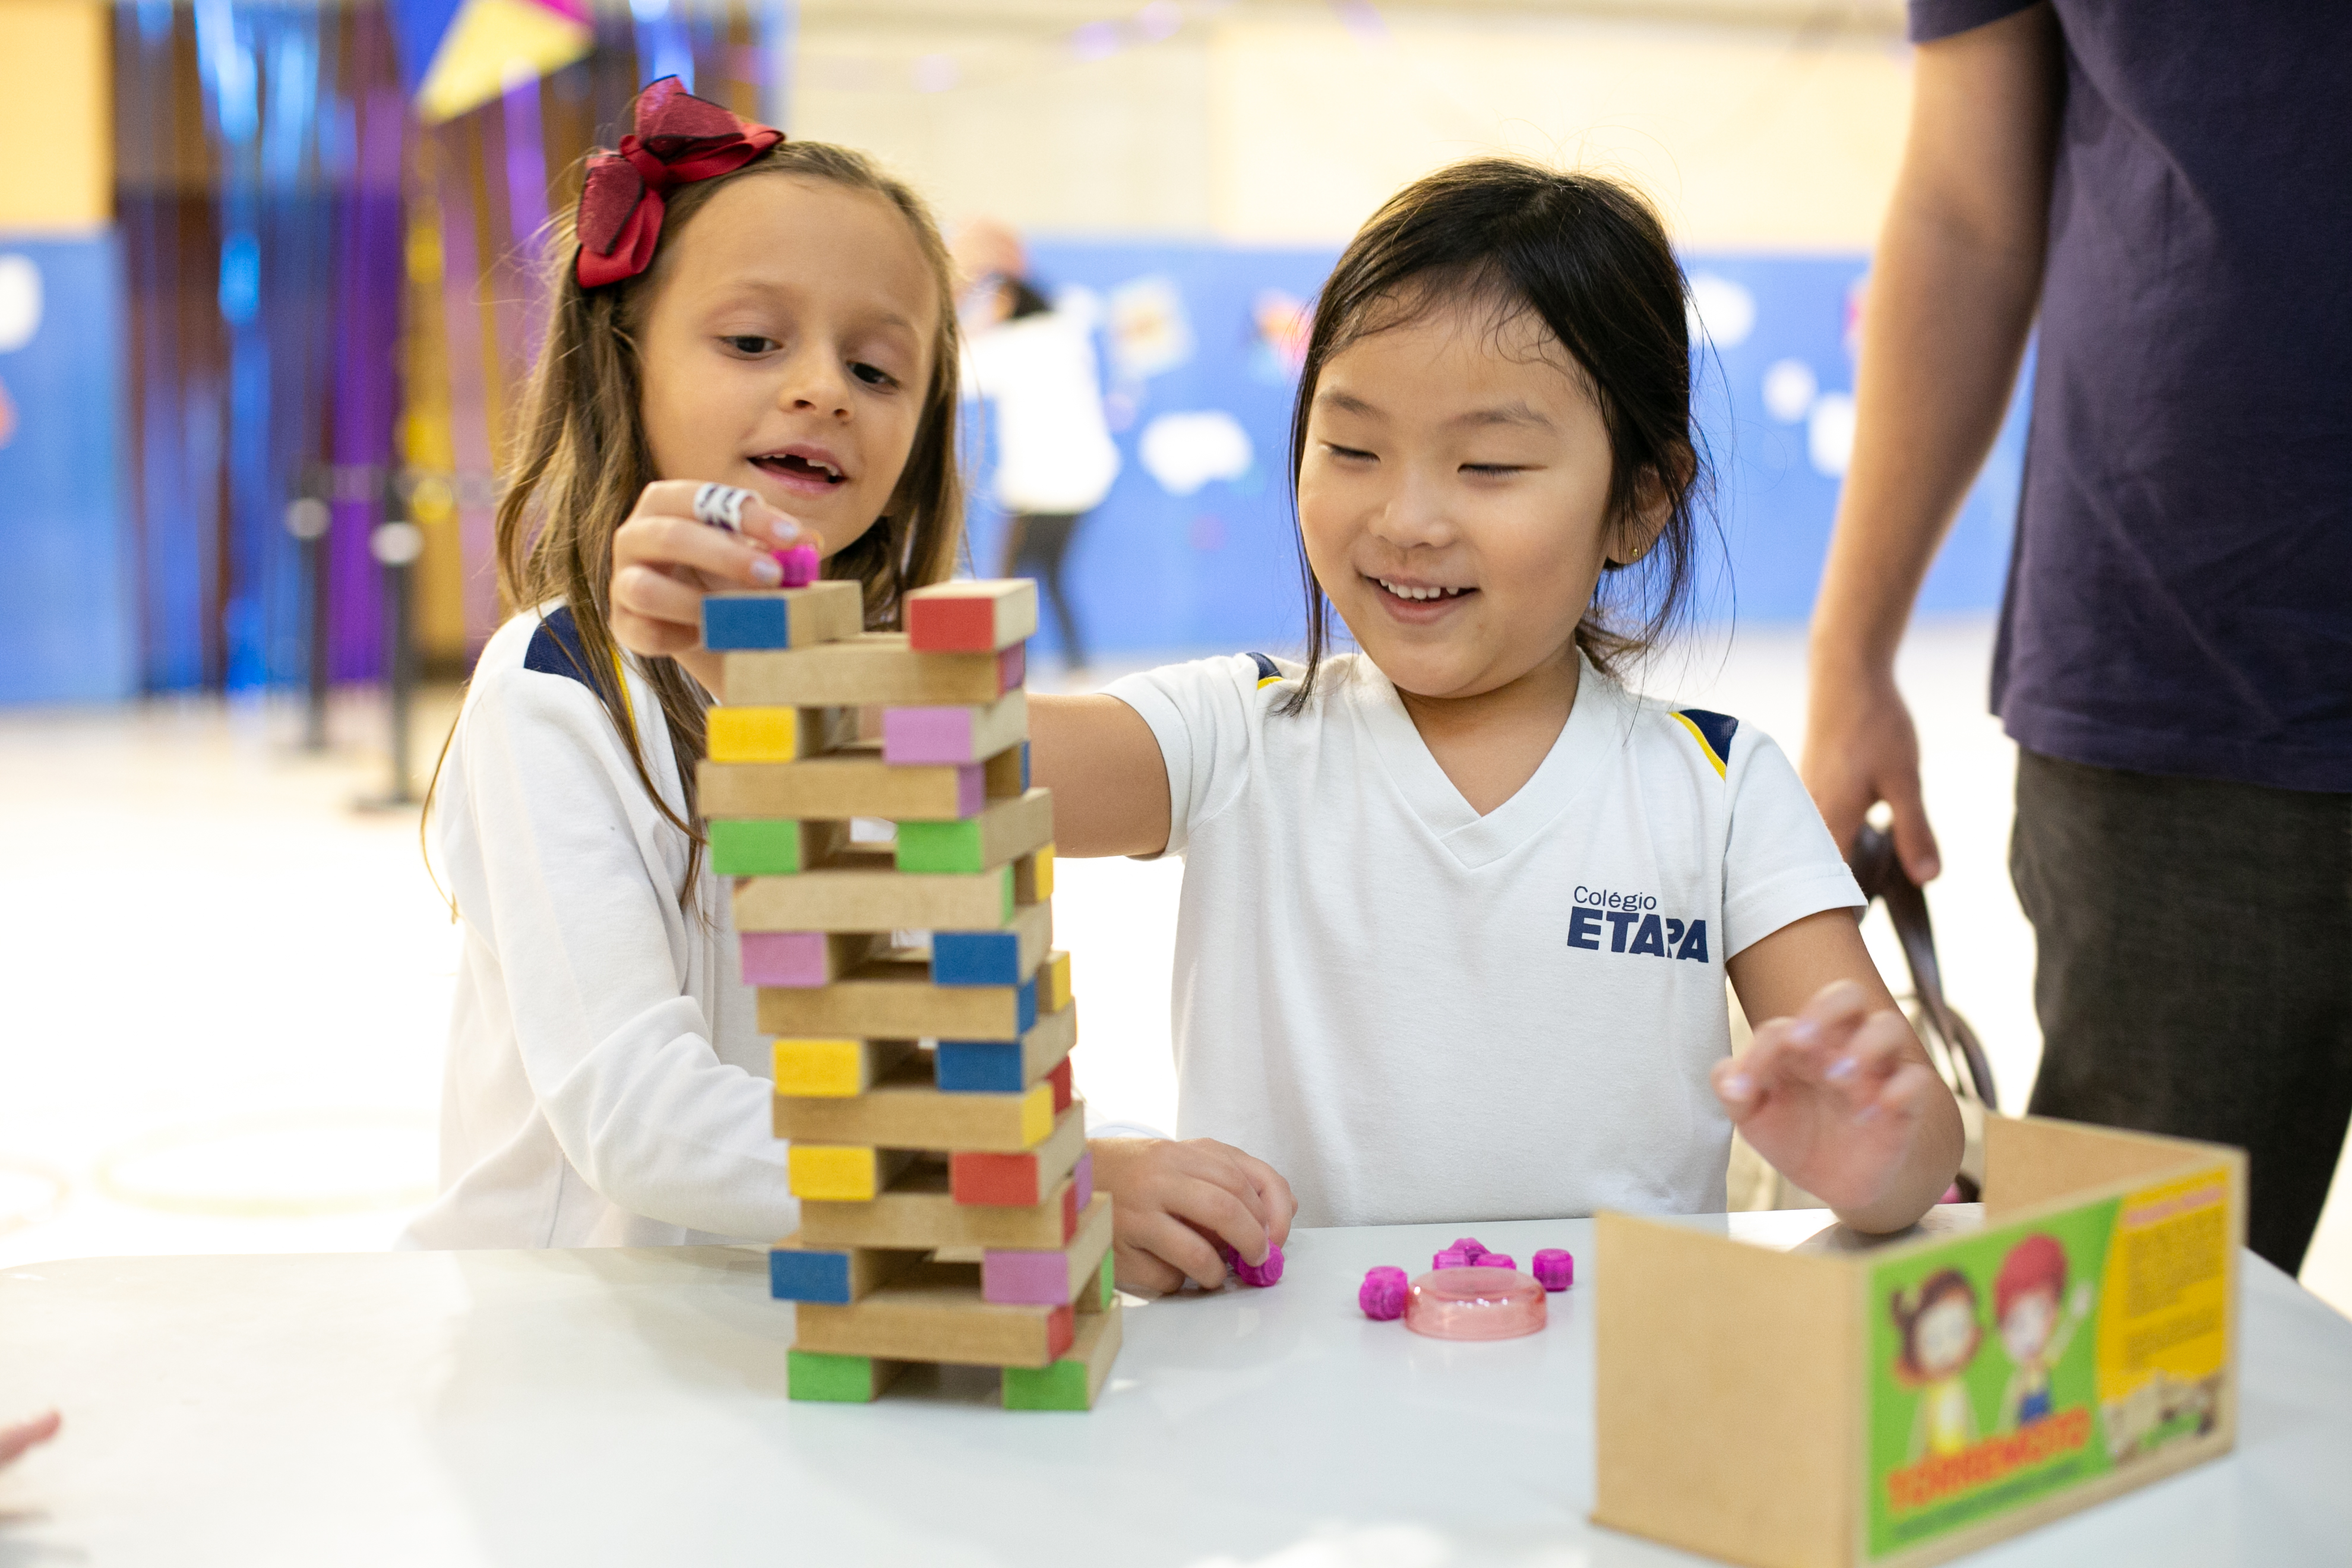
x=627 y=1407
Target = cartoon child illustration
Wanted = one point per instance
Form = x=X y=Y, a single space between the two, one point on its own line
x=1937 y=1321
x=2033 y=1329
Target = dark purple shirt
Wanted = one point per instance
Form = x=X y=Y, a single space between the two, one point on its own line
x=2180 y=591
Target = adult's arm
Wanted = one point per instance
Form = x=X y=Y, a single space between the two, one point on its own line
x=1952 y=297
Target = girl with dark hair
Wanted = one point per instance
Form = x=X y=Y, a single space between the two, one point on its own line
x=1459 y=906
x=733 y=309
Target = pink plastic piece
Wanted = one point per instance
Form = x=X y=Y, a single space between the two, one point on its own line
x=794 y=958
x=920 y=735
x=1085 y=1175
x=1261 y=1274
x=1469 y=1245
x=1495 y=1260
x=1452 y=1257
x=1555 y=1268
x=800 y=565
x=1475 y=1304
x=1383 y=1294
x=1025 y=1278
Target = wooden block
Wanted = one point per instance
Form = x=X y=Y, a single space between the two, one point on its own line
x=1006 y=957
x=1102 y=1295
x=841 y=1175
x=876 y=899
x=1007 y=772
x=1049 y=1278
x=806 y=957
x=972 y=616
x=1032 y=876
x=894 y=997
x=919 y=1211
x=1024 y=1179
x=1076 y=1381
x=765 y=734
x=876 y=669
x=837 y=1275
x=1054 y=982
x=962 y=733
x=1008 y=1067
x=773 y=847
x=852 y=782
x=934 y=1312
x=1058 y=1080
x=784 y=617
x=839 y=1379
x=906 y=1111
x=835 y=1069
x=1003 y=831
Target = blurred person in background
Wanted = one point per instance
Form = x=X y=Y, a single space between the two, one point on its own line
x=2166 y=183
x=1056 y=460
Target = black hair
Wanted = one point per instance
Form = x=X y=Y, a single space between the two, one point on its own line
x=1589 y=258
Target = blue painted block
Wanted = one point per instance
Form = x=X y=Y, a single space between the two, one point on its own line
x=1025 y=767
x=734 y=624
x=979 y=1066
x=975 y=958
x=797 y=1275
x=1024 y=1006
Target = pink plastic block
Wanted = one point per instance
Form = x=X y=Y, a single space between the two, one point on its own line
x=1260 y=1274
x=1555 y=1268
x=1025 y=1278
x=800 y=565
x=1452 y=1258
x=916 y=735
x=1494 y=1260
x=1470 y=1246
x=1012 y=666
x=1475 y=1304
x=1084 y=1175
x=784 y=958
x=1383 y=1294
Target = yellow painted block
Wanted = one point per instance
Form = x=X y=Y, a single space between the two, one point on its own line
x=755 y=734
x=1054 y=982
x=1032 y=876
x=1045 y=873
x=833 y=1069
x=1036 y=1114
x=839 y=1173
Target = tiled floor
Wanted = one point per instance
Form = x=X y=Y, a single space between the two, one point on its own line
x=227 y=989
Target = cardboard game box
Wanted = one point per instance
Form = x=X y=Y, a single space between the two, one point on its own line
x=1905 y=1404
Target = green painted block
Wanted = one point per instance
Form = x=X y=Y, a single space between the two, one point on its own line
x=840 y=1379
x=755 y=848
x=1061 y=1386
x=1106 y=1289
x=946 y=847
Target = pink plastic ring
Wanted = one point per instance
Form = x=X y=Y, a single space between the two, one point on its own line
x=1475 y=1304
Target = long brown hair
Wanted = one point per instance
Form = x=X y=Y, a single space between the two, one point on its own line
x=1589 y=259
x=582 y=460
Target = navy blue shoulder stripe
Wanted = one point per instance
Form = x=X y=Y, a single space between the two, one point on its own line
x=1714 y=730
x=1266 y=670
x=555 y=648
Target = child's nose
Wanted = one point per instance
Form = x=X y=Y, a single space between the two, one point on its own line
x=814 y=379
x=1415 y=514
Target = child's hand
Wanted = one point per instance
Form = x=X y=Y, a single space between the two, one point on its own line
x=665 y=559
x=1837 y=1097
x=14 y=1440
x=1168 y=1198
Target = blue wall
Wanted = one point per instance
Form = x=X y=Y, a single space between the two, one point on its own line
x=66 y=622
x=1153 y=569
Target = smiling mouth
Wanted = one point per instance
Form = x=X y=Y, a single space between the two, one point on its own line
x=1413 y=594
x=799 y=467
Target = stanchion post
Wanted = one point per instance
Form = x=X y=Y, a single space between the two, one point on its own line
x=307 y=518
x=396 y=544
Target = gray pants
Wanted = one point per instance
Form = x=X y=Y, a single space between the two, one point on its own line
x=2194 y=970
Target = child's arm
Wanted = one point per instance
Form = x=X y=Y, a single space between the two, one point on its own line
x=1834 y=1089
x=1103 y=764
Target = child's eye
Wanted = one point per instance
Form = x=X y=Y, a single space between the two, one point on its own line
x=748 y=344
x=1349 y=453
x=1490 y=469
x=872 y=375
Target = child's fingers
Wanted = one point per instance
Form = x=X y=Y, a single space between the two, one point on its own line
x=14 y=1440
x=1224 y=1214
x=1281 y=1206
x=1906 y=1095
x=1880 y=1045
x=1138 y=1271
x=652 y=594
x=1166 y=1238
x=758 y=521
x=668 y=543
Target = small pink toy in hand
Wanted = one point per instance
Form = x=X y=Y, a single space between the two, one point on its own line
x=800 y=565
x=1261 y=1274
x=1383 y=1294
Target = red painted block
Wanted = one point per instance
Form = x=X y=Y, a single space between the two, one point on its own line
x=1061 y=1330
x=1060 y=1078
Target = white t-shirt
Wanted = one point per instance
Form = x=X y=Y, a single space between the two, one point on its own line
x=1419 y=1014
x=604 y=1084
x=1053 y=450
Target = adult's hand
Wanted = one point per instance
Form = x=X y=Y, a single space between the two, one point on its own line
x=1861 y=748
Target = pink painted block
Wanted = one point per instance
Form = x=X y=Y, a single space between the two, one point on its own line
x=972 y=790
x=1025 y=1278
x=1012 y=668
x=783 y=958
x=1555 y=1268
x=1085 y=1179
x=916 y=735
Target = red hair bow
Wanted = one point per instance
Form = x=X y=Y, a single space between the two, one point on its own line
x=679 y=139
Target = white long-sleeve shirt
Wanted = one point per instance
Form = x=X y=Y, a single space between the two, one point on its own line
x=604 y=1085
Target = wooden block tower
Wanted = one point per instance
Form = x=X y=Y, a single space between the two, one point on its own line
x=923 y=1018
